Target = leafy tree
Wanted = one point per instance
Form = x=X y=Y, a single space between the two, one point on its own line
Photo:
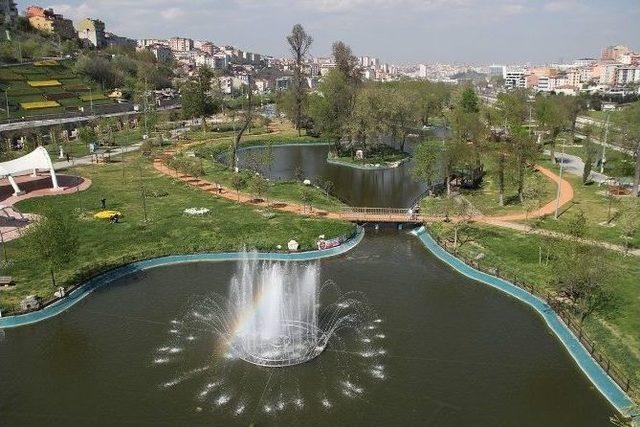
x=552 y=117
x=590 y=153
x=238 y=183
x=629 y=122
x=630 y=221
x=299 y=44
x=346 y=63
x=438 y=160
x=582 y=277
x=259 y=185
x=577 y=225
x=54 y=238
x=331 y=108
x=87 y=135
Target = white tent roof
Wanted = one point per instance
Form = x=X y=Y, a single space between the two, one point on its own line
x=37 y=159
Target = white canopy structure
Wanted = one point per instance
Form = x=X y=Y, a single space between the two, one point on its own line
x=37 y=159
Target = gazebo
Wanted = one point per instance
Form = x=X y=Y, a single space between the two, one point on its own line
x=37 y=159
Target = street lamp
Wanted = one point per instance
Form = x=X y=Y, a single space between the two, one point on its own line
x=560 y=182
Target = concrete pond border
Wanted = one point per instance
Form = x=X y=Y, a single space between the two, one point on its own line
x=108 y=277
x=596 y=374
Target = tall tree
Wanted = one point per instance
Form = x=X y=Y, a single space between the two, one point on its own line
x=331 y=108
x=54 y=239
x=246 y=117
x=552 y=117
x=629 y=122
x=346 y=62
x=299 y=44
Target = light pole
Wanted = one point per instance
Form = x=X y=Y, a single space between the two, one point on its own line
x=604 y=143
x=560 y=182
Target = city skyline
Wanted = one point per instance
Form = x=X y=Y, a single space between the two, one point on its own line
x=504 y=31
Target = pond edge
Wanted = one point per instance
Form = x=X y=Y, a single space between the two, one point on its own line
x=103 y=279
x=596 y=374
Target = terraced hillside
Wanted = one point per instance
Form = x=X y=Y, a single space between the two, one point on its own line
x=46 y=87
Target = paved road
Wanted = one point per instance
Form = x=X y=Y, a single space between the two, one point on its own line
x=575 y=166
x=74 y=119
x=87 y=160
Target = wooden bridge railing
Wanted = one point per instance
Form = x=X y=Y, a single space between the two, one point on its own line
x=379 y=214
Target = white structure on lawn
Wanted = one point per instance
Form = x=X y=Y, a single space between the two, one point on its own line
x=37 y=159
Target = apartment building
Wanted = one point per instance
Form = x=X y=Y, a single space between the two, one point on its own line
x=92 y=30
x=180 y=44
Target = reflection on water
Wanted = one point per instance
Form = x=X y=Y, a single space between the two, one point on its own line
x=356 y=187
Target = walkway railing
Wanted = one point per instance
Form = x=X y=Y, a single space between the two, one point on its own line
x=379 y=214
x=624 y=381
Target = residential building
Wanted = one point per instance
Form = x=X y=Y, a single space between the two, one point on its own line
x=161 y=52
x=180 y=44
x=142 y=43
x=608 y=74
x=614 y=53
x=47 y=21
x=498 y=71
x=208 y=48
x=626 y=75
x=422 y=71
x=115 y=40
x=9 y=11
x=282 y=83
x=92 y=30
x=515 y=80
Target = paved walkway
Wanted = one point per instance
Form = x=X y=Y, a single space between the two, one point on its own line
x=12 y=222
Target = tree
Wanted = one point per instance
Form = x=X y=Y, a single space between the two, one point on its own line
x=629 y=122
x=299 y=44
x=590 y=153
x=346 y=63
x=306 y=195
x=630 y=221
x=238 y=183
x=87 y=135
x=259 y=186
x=54 y=238
x=331 y=108
x=246 y=117
x=525 y=150
x=438 y=160
x=582 y=277
x=552 y=117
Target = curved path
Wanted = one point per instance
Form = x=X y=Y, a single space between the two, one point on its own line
x=12 y=222
x=358 y=214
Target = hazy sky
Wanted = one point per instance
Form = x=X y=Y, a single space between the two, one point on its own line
x=399 y=31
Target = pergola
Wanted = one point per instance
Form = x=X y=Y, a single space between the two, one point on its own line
x=37 y=159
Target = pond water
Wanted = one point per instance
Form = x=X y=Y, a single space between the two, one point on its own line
x=394 y=188
x=443 y=351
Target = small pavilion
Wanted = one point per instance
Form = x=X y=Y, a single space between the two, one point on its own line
x=38 y=159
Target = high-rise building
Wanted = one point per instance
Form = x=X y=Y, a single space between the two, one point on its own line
x=498 y=71
x=180 y=44
x=92 y=30
x=515 y=80
x=422 y=71
x=613 y=53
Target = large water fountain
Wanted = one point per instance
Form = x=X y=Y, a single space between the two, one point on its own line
x=275 y=315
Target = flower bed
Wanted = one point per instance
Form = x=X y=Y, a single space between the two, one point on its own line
x=38 y=104
x=44 y=83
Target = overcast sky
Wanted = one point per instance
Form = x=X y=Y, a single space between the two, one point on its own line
x=398 y=31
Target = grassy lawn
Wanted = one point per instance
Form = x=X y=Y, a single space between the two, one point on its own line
x=593 y=200
x=228 y=227
x=485 y=200
x=618 y=165
x=617 y=331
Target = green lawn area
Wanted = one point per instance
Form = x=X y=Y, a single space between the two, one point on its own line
x=485 y=200
x=515 y=254
x=593 y=200
x=618 y=165
x=228 y=227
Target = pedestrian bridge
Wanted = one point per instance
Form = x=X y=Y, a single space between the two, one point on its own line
x=394 y=215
